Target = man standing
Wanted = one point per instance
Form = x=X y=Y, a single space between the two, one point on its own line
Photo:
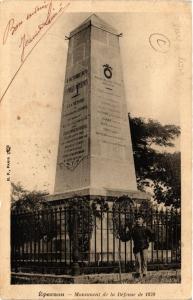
x=141 y=236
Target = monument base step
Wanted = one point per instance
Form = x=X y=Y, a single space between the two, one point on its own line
x=99 y=192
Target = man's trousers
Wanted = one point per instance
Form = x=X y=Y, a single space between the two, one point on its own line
x=141 y=261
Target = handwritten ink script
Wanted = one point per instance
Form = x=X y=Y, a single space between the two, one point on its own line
x=159 y=42
x=28 y=41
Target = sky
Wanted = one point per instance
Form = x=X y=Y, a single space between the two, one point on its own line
x=34 y=100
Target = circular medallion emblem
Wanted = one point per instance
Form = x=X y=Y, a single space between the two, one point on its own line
x=107 y=71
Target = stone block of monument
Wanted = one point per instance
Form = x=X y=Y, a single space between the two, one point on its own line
x=95 y=156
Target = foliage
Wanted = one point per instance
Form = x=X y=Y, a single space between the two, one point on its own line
x=79 y=221
x=99 y=207
x=22 y=199
x=123 y=217
x=167 y=179
x=33 y=226
x=147 y=133
x=156 y=169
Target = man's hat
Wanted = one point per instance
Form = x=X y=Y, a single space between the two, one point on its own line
x=139 y=216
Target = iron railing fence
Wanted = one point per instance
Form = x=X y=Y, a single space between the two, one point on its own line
x=55 y=238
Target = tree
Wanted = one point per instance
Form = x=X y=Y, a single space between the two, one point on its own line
x=22 y=199
x=31 y=225
x=167 y=178
x=156 y=169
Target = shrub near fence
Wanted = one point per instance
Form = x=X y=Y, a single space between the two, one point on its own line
x=52 y=240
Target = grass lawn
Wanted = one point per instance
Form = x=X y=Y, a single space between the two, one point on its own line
x=166 y=276
x=157 y=277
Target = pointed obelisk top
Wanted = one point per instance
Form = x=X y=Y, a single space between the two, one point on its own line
x=94 y=20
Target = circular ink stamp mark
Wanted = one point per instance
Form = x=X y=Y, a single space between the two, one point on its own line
x=159 y=42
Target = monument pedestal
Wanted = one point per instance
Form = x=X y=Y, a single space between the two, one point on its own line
x=102 y=236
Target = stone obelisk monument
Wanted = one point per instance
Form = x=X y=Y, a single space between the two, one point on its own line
x=95 y=156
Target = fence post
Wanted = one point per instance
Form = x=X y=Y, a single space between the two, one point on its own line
x=75 y=250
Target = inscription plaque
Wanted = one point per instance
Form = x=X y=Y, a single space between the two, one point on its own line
x=74 y=144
